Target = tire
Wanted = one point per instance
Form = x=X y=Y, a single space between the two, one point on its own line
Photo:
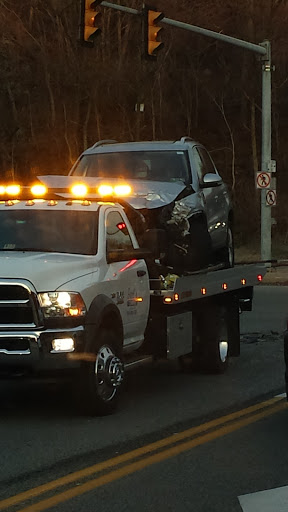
x=228 y=251
x=197 y=250
x=200 y=245
x=213 y=347
x=187 y=363
x=286 y=361
x=102 y=379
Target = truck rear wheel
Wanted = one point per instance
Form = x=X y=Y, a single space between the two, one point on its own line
x=213 y=339
x=210 y=345
x=286 y=361
x=103 y=377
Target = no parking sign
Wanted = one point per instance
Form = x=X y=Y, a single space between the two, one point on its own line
x=263 y=179
x=271 y=197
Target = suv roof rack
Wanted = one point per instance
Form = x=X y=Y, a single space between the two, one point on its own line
x=102 y=142
x=186 y=139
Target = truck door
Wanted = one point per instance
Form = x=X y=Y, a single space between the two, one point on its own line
x=128 y=280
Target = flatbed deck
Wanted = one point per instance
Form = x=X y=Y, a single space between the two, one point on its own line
x=207 y=283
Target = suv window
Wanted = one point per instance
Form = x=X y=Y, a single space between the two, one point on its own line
x=203 y=162
x=117 y=234
x=141 y=165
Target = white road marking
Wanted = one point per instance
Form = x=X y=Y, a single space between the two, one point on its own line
x=273 y=500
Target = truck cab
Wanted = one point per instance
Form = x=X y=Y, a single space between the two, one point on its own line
x=66 y=265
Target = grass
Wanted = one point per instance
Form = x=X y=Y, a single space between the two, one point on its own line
x=250 y=252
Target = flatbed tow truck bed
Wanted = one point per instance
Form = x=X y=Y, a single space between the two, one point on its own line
x=208 y=283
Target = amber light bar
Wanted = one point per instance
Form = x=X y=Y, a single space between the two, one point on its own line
x=104 y=190
x=16 y=191
x=10 y=190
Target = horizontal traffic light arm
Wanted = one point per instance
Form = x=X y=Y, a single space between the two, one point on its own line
x=120 y=8
x=256 y=48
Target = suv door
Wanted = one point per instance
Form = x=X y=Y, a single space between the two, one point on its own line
x=214 y=197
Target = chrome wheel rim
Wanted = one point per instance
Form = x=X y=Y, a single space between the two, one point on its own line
x=223 y=350
x=109 y=373
x=223 y=342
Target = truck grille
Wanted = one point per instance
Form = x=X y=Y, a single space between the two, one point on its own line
x=17 y=306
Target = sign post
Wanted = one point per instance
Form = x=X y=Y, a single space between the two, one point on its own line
x=266 y=151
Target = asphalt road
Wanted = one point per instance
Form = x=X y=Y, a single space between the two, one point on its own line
x=42 y=436
x=230 y=474
x=270 y=310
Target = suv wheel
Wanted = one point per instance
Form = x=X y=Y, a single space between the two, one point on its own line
x=228 y=253
x=192 y=252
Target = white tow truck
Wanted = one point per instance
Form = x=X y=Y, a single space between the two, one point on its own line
x=77 y=292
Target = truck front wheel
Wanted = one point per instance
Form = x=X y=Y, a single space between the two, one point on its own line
x=103 y=377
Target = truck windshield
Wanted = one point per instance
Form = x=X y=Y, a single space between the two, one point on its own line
x=73 y=232
x=141 y=165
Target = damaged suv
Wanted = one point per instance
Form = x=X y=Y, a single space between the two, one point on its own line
x=177 y=188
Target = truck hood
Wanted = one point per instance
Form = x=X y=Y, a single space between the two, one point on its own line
x=145 y=194
x=46 y=271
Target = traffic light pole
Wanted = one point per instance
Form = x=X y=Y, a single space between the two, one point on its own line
x=266 y=151
x=264 y=51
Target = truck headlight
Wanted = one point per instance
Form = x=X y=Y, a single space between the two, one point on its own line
x=61 y=304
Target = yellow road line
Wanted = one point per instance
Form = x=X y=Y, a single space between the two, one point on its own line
x=269 y=406
x=153 y=459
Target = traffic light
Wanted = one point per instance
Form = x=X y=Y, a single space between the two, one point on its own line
x=89 y=21
x=151 y=31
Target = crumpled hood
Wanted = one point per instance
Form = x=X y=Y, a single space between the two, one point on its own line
x=145 y=194
x=153 y=194
x=46 y=271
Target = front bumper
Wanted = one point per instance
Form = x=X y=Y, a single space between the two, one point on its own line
x=32 y=350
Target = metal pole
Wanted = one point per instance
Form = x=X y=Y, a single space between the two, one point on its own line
x=256 y=48
x=266 y=152
x=122 y=8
